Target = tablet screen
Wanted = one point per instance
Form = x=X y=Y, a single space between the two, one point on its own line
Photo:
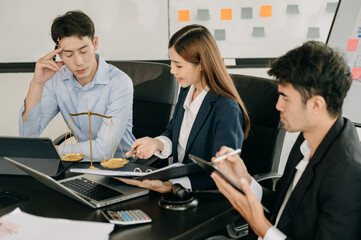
x=35 y=152
x=209 y=167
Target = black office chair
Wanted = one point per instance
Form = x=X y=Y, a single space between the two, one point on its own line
x=261 y=151
x=155 y=95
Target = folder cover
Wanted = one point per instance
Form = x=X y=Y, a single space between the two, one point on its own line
x=174 y=172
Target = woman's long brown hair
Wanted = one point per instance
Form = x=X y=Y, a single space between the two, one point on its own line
x=195 y=44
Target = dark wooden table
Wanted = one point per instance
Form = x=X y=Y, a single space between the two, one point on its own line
x=212 y=214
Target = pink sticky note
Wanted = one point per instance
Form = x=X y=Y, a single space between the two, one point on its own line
x=356 y=73
x=7 y=227
x=352 y=44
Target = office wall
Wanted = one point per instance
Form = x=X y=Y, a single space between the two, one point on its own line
x=127 y=29
x=13 y=89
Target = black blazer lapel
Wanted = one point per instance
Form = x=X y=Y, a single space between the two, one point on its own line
x=178 y=119
x=309 y=173
x=282 y=187
x=202 y=115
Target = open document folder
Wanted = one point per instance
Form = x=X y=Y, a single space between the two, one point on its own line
x=174 y=170
x=21 y=225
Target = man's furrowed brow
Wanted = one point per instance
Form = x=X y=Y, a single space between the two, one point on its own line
x=65 y=50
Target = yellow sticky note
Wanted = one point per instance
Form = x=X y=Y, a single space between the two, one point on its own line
x=183 y=16
x=226 y=14
x=266 y=11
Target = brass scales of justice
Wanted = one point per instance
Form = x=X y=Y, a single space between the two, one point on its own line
x=75 y=157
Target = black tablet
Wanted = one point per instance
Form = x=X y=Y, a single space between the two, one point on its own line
x=36 y=152
x=209 y=167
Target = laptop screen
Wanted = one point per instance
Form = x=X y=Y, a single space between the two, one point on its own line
x=35 y=152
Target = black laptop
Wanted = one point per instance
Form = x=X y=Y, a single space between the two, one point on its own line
x=92 y=190
x=36 y=152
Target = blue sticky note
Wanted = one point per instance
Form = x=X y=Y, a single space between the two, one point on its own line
x=293 y=9
x=258 y=32
x=203 y=14
x=313 y=32
x=358 y=61
x=246 y=13
x=331 y=7
x=220 y=34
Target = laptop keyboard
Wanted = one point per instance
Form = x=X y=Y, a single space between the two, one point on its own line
x=90 y=189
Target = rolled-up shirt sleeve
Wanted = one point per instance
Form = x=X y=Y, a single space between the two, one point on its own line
x=167 y=150
x=29 y=128
x=40 y=115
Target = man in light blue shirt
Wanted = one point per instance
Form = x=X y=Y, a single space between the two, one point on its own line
x=82 y=81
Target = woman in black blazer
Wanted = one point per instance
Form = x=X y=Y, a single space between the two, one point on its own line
x=209 y=112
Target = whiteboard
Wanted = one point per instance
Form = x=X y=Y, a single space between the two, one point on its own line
x=251 y=33
x=347 y=27
x=140 y=29
x=127 y=29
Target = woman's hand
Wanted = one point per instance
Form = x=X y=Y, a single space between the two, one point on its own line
x=154 y=185
x=145 y=147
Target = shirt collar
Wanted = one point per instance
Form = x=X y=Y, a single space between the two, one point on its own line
x=306 y=152
x=101 y=76
x=197 y=102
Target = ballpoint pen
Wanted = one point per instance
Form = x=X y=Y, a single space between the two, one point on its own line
x=225 y=156
x=135 y=157
x=56 y=47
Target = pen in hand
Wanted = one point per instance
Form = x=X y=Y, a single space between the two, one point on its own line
x=56 y=47
x=225 y=155
x=134 y=157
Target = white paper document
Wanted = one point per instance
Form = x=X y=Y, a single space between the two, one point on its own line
x=34 y=227
x=122 y=173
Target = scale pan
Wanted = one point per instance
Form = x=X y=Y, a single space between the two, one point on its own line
x=72 y=157
x=114 y=163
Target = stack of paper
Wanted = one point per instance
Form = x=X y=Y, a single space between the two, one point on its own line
x=123 y=173
x=20 y=225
